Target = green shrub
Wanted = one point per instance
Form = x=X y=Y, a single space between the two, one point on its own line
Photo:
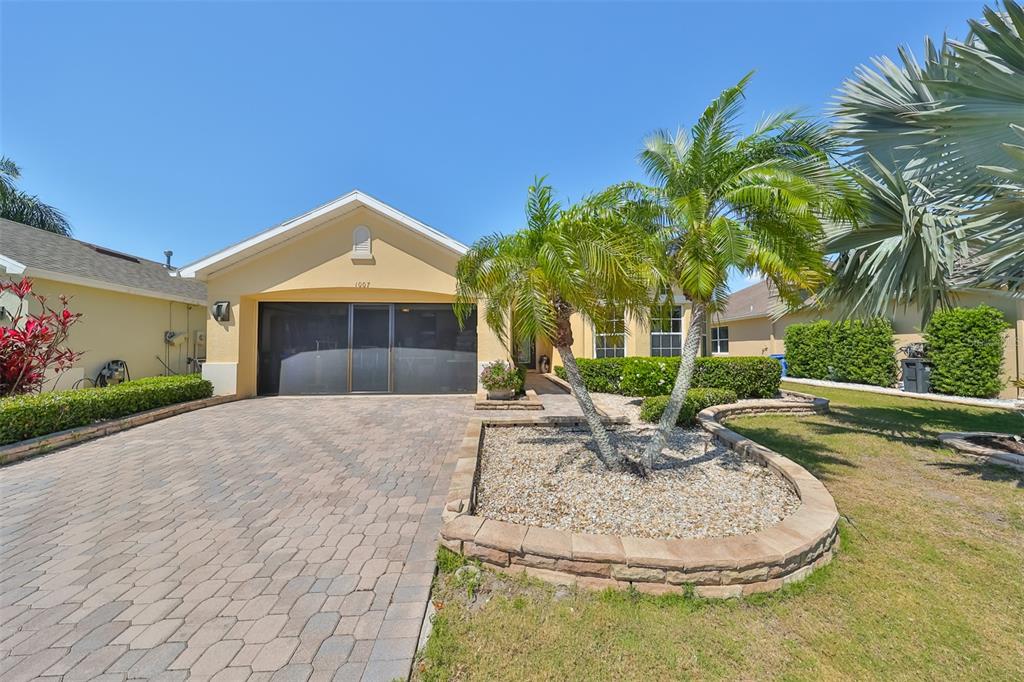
x=965 y=346
x=809 y=350
x=860 y=352
x=599 y=376
x=28 y=416
x=696 y=400
x=748 y=377
x=648 y=376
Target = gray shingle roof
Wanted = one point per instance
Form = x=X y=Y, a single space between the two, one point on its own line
x=753 y=301
x=41 y=250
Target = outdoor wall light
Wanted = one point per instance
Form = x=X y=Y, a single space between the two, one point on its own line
x=222 y=311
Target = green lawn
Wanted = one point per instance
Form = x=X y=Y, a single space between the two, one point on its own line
x=929 y=583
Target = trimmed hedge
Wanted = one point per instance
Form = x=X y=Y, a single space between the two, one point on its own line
x=860 y=352
x=649 y=376
x=965 y=346
x=748 y=377
x=697 y=399
x=599 y=376
x=28 y=416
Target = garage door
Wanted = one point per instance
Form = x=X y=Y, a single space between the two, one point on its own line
x=330 y=348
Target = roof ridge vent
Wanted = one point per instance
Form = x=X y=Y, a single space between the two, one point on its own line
x=114 y=254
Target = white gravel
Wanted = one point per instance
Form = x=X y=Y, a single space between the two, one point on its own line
x=548 y=476
x=615 y=405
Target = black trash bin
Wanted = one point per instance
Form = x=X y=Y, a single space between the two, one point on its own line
x=916 y=375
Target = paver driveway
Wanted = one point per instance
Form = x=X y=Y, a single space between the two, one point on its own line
x=276 y=538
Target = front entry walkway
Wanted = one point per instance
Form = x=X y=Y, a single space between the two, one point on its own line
x=278 y=538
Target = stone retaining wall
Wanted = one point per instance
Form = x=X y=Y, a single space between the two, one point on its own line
x=715 y=567
x=43 y=444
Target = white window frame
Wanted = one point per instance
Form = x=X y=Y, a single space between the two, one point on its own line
x=671 y=318
x=716 y=343
x=604 y=335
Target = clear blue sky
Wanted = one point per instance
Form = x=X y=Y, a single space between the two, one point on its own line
x=192 y=125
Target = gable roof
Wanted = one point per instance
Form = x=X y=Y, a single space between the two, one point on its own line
x=753 y=301
x=256 y=244
x=33 y=252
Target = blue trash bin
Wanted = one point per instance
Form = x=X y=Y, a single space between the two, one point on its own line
x=781 y=357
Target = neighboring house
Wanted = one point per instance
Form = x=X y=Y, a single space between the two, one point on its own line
x=746 y=327
x=129 y=304
x=355 y=296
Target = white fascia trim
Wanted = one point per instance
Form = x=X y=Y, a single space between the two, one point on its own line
x=12 y=266
x=109 y=286
x=204 y=265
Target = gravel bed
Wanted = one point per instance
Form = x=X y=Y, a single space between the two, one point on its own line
x=548 y=476
x=615 y=405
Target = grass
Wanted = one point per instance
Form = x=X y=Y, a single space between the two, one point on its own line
x=929 y=582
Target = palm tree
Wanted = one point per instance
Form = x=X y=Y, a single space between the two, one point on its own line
x=982 y=118
x=753 y=203
x=587 y=258
x=907 y=243
x=938 y=152
x=25 y=208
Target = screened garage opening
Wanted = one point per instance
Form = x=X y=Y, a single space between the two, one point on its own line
x=334 y=348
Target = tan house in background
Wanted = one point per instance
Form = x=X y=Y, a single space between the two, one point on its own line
x=746 y=327
x=355 y=296
x=133 y=309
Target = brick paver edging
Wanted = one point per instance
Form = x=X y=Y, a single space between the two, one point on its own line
x=958 y=440
x=43 y=444
x=715 y=567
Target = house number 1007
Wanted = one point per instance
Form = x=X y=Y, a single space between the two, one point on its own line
x=362 y=285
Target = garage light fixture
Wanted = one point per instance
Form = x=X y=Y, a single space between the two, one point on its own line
x=222 y=311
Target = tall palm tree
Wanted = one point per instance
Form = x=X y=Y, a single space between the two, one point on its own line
x=938 y=152
x=25 y=208
x=754 y=203
x=587 y=258
x=982 y=117
x=905 y=245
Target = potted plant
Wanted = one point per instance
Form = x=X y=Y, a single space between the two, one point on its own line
x=501 y=379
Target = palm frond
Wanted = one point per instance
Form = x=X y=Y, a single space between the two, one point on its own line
x=25 y=208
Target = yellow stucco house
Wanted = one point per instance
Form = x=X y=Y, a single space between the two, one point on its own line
x=746 y=326
x=355 y=296
x=134 y=310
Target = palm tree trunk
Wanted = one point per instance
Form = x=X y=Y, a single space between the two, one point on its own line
x=606 y=451
x=682 y=385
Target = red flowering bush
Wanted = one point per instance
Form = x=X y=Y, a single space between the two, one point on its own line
x=34 y=345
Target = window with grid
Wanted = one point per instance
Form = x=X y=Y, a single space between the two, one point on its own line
x=667 y=331
x=719 y=340
x=610 y=342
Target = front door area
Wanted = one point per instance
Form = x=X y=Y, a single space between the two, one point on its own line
x=334 y=348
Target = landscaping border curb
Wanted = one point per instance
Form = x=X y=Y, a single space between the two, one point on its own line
x=716 y=567
x=957 y=441
x=993 y=403
x=39 y=445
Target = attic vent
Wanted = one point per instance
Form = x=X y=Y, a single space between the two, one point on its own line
x=114 y=254
x=362 y=248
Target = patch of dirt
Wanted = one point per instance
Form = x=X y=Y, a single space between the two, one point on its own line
x=1003 y=443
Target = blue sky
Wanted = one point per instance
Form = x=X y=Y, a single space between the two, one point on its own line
x=192 y=125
